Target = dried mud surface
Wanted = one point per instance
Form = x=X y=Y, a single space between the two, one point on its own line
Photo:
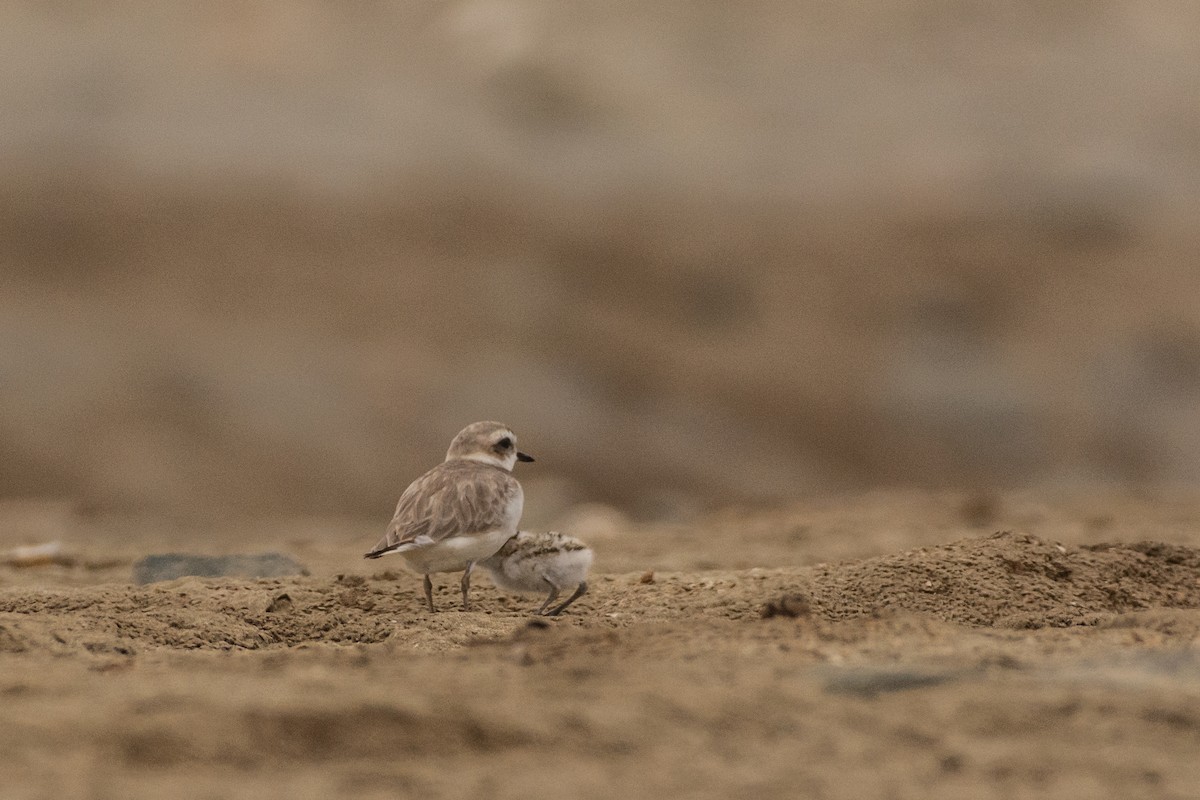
x=885 y=645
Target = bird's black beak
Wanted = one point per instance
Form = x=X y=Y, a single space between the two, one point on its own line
x=524 y=457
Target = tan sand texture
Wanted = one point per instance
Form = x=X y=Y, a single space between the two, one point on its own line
x=992 y=665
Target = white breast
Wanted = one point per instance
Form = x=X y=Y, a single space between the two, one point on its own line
x=453 y=554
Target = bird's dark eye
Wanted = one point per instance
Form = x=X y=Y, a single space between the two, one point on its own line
x=504 y=443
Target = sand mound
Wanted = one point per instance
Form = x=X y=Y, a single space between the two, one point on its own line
x=1008 y=580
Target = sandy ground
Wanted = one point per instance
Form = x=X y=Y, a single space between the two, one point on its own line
x=887 y=645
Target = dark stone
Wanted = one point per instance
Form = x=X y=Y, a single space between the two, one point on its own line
x=280 y=604
x=790 y=605
x=169 y=566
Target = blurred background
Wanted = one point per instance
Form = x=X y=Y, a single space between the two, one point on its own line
x=265 y=258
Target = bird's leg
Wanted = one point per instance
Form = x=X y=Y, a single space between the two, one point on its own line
x=466 y=585
x=579 y=592
x=429 y=592
x=549 y=598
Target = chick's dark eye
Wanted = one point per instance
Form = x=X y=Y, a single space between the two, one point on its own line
x=504 y=443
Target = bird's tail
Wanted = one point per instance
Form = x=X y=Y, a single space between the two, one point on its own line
x=383 y=548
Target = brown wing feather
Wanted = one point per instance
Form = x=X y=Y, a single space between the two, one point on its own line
x=453 y=497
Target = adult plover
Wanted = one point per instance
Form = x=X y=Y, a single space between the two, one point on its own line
x=541 y=562
x=462 y=510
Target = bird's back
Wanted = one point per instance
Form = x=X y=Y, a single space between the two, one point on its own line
x=455 y=498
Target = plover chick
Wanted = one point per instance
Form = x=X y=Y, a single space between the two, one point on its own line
x=462 y=510
x=542 y=562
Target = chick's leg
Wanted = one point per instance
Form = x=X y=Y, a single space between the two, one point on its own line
x=550 y=598
x=579 y=592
